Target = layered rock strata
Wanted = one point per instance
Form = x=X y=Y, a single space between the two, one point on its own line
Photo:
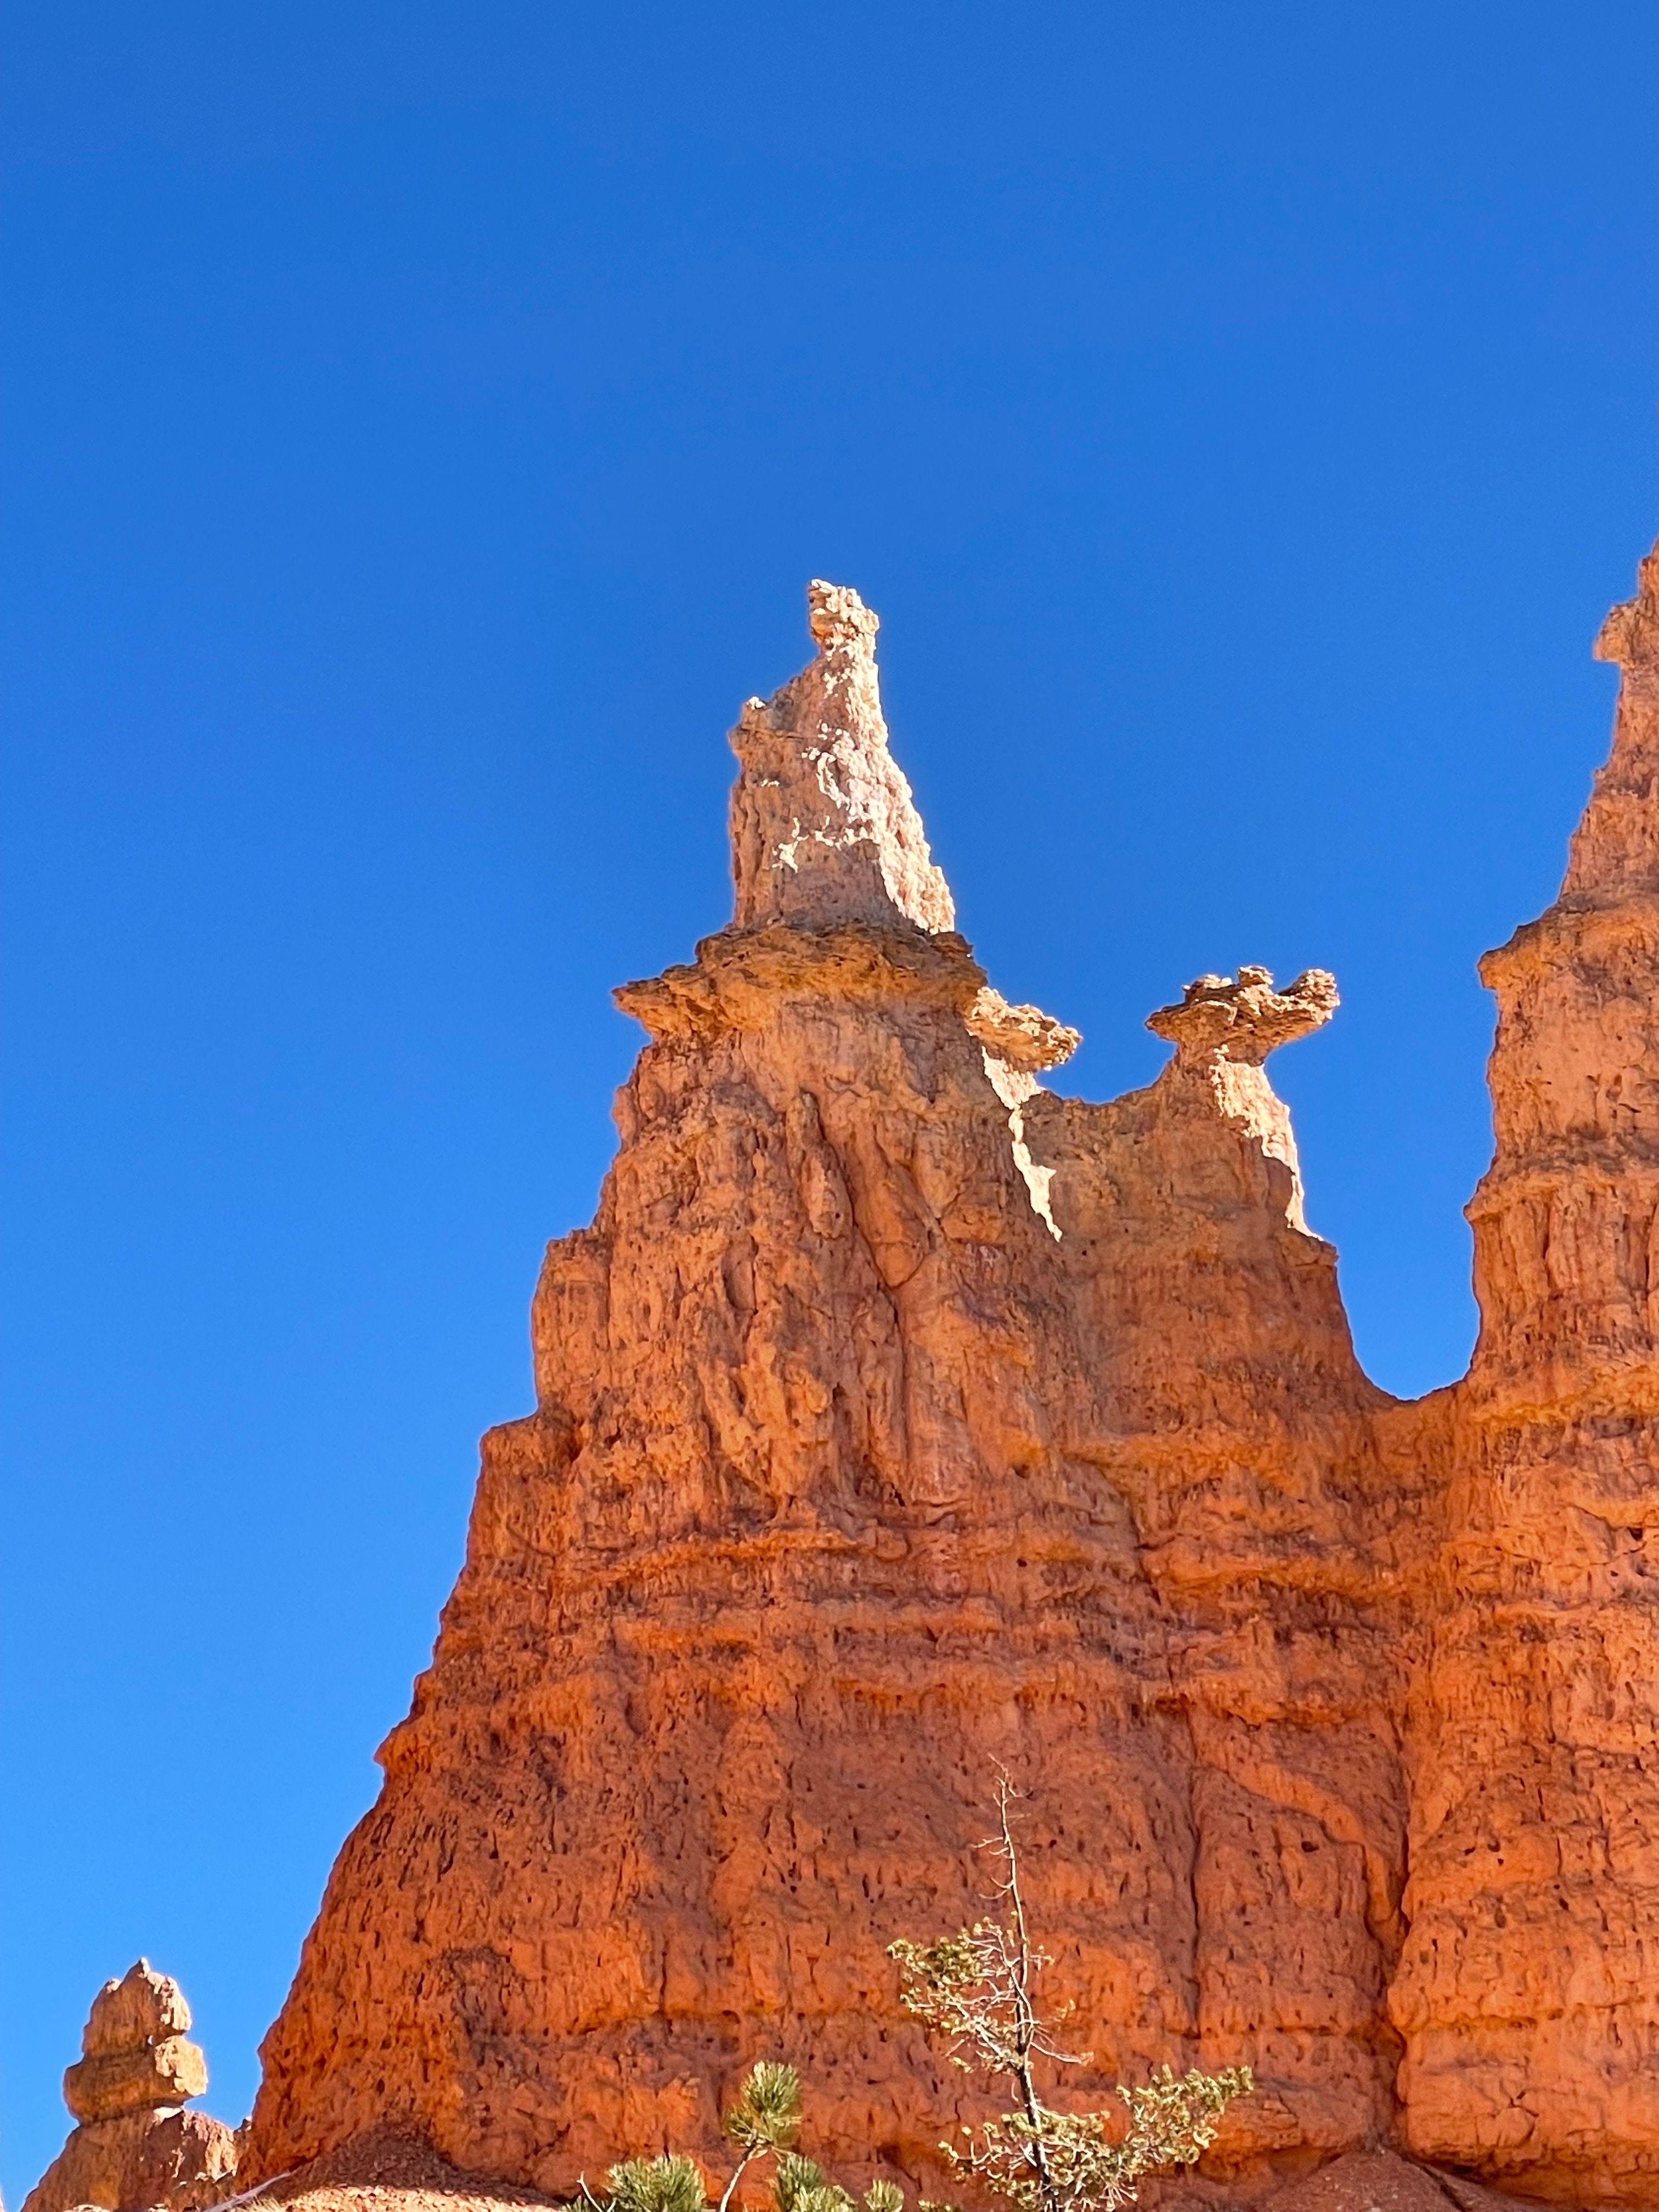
x=898 y=1420
x=1528 y=1993
x=134 y=2146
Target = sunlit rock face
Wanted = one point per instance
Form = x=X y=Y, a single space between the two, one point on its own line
x=899 y=1420
x=134 y=2148
x=1529 y=1991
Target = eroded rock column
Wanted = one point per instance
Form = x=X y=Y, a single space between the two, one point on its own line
x=133 y=2146
x=1529 y=1992
x=1229 y=1411
x=791 y=1553
x=883 y=1438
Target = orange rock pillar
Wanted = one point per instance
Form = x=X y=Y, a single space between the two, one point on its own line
x=1529 y=1992
x=134 y=2147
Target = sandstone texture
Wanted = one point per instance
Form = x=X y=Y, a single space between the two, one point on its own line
x=134 y=2147
x=1529 y=1991
x=898 y=1418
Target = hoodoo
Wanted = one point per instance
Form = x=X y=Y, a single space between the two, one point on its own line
x=1529 y=1992
x=134 y=2146
x=898 y=1421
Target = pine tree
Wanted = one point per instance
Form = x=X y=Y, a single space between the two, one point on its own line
x=763 y=2121
x=976 y=1989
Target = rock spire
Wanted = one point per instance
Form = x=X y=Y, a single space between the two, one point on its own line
x=1526 y=1995
x=824 y=827
x=1615 y=852
x=853 y=1476
x=133 y=2146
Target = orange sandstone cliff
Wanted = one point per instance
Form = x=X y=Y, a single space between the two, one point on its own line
x=898 y=1418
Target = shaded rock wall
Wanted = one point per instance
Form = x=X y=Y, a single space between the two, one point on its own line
x=897 y=1417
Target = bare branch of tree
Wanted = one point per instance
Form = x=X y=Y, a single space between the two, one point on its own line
x=978 y=1991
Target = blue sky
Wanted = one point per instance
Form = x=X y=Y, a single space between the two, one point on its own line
x=423 y=422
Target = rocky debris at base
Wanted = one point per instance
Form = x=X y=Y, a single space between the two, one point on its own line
x=386 y=2171
x=1380 y=2181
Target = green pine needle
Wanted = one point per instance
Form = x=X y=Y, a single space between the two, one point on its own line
x=656 y=2185
x=766 y=2113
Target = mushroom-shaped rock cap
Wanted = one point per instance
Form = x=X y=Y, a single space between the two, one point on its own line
x=1243 y=1018
x=1024 y=1037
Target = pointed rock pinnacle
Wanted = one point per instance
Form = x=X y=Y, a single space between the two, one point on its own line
x=824 y=827
x=1614 y=852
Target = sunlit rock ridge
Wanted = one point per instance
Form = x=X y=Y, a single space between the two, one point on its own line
x=897 y=1420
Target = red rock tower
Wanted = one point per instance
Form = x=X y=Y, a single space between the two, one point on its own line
x=1529 y=1990
x=896 y=1420
x=834 y=1498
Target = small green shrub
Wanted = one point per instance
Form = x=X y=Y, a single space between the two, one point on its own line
x=766 y=2115
x=799 y=2185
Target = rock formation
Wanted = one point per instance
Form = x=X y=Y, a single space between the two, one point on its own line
x=897 y=1418
x=1528 y=1993
x=133 y=2146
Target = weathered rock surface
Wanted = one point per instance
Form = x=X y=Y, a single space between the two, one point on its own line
x=823 y=829
x=182 y=2161
x=141 y=2009
x=1529 y=1992
x=169 y=2072
x=897 y=1417
x=134 y=2146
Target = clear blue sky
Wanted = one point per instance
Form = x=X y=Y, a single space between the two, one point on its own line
x=421 y=422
